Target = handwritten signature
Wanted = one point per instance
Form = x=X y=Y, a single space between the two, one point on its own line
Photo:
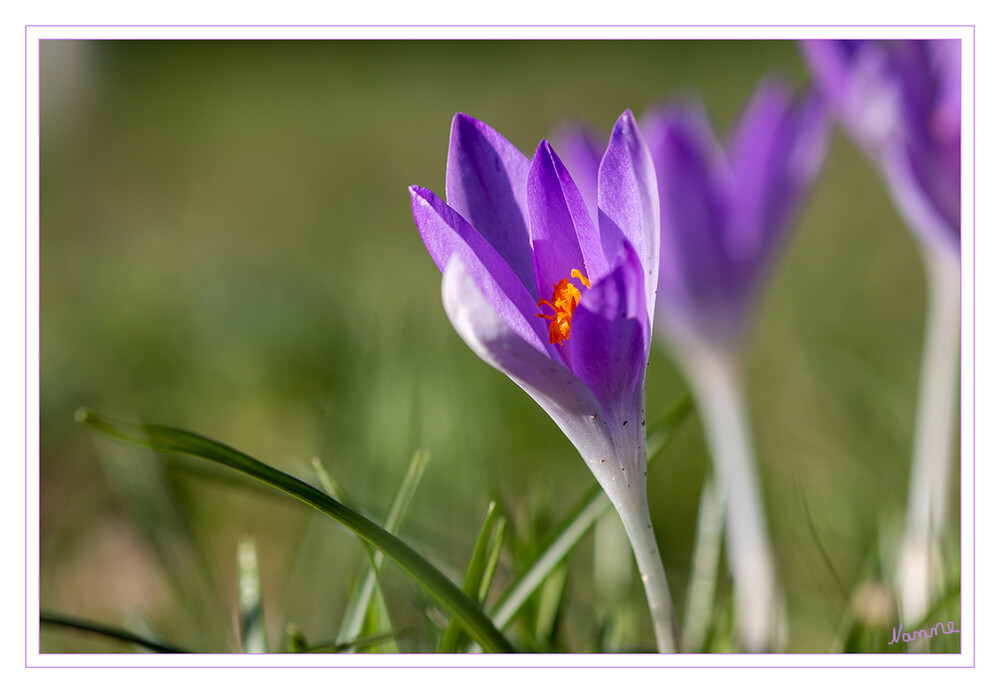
x=939 y=629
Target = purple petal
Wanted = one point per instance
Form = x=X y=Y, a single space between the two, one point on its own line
x=830 y=64
x=929 y=73
x=446 y=234
x=582 y=151
x=918 y=209
x=485 y=183
x=697 y=278
x=946 y=57
x=563 y=237
x=775 y=156
x=854 y=77
x=610 y=339
x=628 y=203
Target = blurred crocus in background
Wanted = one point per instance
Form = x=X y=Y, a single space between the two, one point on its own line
x=901 y=102
x=562 y=306
x=724 y=213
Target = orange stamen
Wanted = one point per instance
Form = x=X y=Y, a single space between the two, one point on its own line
x=565 y=297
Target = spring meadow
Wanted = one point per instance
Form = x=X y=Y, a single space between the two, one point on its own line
x=645 y=346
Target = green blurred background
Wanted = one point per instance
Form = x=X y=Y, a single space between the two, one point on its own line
x=227 y=246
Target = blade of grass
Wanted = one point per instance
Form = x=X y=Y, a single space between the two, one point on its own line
x=296 y=640
x=704 y=567
x=49 y=618
x=549 y=601
x=359 y=644
x=579 y=521
x=473 y=578
x=369 y=594
x=444 y=591
x=366 y=611
x=253 y=632
x=493 y=560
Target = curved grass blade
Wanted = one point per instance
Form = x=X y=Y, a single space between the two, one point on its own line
x=366 y=611
x=473 y=577
x=443 y=590
x=49 y=618
x=369 y=595
x=580 y=520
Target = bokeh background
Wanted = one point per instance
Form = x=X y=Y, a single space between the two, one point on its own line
x=227 y=246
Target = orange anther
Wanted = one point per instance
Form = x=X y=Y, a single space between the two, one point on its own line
x=565 y=297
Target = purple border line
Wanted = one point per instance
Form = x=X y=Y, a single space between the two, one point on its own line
x=29 y=27
x=26 y=29
x=505 y=26
x=973 y=148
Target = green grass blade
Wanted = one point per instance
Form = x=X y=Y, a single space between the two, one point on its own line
x=580 y=520
x=253 y=632
x=594 y=504
x=473 y=577
x=366 y=611
x=493 y=560
x=704 y=567
x=369 y=595
x=48 y=618
x=549 y=600
x=444 y=591
x=295 y=640
x=362 y=643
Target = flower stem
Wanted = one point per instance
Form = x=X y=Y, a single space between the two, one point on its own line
x=927 y=504
x=717 y=389
x=639 y=528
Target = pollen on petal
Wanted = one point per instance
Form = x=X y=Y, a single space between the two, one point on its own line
x=565 y=297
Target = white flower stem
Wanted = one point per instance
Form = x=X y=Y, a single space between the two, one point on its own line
x=639 y=528
x=927 y=504
x=716 y=386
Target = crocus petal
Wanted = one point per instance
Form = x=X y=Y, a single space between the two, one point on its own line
x=611 y=332
x=627 y=200
x=565 y=398
x=446 y=234
x=697 y=279
x=486 y=183
x=853 y=79
x=775 y=155
x=910 y=195
x=830 y=64
x=946 y=56
x=563 y=237
x=901 y=101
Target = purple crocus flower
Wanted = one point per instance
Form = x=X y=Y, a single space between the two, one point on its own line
x=901 y=101
x=561 y=305
x=724 y=213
